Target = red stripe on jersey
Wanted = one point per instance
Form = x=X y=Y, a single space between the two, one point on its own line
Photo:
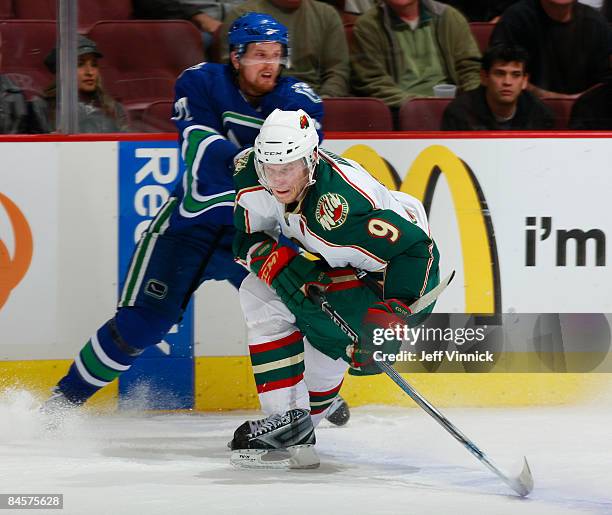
x=256 y=348
x=247 y=223
x=244 y=191
x=429 y=263
x=340 y=272
x=281 y=383
x=346 y=285
x=328 y=392
x=335 y=167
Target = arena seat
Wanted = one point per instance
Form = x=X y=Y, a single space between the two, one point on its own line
x=348 y=18
x=156 y=117
x=562 y=109
x=422 y=114
x=356 y=114
x=348 y=33
x=35 y=9
x=142 y=59
x=482 y=33
x=89 y=11
x=25 y=44
x=6 y=9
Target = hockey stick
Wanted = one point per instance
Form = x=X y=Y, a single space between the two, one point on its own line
x=418 y=305
x=521 y=484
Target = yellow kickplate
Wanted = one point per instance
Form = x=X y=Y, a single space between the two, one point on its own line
x=39 y=376
x=226 y=382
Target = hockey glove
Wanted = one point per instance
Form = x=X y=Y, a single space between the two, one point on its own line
x=268 y=259
x=381 y=337
x=292 y=282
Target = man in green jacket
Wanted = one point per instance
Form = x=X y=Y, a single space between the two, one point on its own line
x=319 y=52
x=401 y=49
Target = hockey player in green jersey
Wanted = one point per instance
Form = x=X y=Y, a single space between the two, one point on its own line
x=334 y=209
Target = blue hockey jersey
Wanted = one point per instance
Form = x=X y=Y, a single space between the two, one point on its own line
x=214 y=123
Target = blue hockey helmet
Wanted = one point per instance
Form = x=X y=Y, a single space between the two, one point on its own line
x=257 y=27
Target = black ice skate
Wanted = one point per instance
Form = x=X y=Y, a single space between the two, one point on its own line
x=338 y=413
x=277 y=442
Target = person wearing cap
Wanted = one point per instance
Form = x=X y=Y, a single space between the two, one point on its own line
x=97 y=111
x=218 y=111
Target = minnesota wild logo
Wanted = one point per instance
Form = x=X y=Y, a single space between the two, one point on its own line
x=241 y=161
x=332 y=210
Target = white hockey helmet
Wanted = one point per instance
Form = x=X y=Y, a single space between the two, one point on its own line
x=287 y=136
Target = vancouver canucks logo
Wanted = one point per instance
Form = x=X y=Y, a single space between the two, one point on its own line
x=304 y=122
x=332 y=210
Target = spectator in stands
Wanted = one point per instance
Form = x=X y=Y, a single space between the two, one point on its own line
x=606 y=10
x=207 y=16
x=595 y=4
x=603 y=6
x=567 y=44
x=593 y=110
x=319 y=52
x=402 y=48
x=13 y=107
x=97 y=110
x=501 y=102
x=355 y=7
x=481 y=10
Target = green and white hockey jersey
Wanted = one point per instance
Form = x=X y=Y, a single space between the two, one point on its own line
x=347 y=218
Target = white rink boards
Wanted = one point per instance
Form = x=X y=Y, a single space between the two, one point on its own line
x=531 y=188
x=519 y=219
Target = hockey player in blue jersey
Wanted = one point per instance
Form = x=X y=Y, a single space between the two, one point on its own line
x=218 y=111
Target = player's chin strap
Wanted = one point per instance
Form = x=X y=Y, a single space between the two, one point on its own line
x=521 y=484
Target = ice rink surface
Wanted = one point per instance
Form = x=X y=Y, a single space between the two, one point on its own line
x=385 y=461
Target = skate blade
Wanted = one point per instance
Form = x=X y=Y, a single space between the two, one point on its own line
x=294 y=457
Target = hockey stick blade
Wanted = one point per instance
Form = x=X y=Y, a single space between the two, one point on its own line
x=521 y=484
